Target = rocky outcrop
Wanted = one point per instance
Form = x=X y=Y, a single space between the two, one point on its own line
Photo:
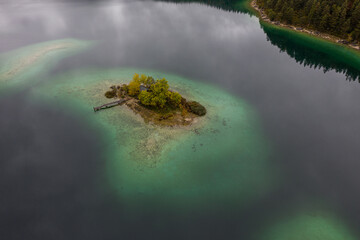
x=196 y=108
x=111 y=93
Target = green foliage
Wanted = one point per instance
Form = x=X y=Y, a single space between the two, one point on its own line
x=174 y=98
x=147 y=80
x=134 y=86
x=159 y=95
x=136 y=77
x=271 y=15
x=337 y=17
x=143 y=78
x=146 y=98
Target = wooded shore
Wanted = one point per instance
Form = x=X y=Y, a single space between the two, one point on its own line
x=263 y=16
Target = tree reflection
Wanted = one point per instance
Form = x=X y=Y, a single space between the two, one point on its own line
x=306 y=53
x=311 y=55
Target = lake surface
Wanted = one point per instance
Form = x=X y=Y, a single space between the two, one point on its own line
x=302 y=95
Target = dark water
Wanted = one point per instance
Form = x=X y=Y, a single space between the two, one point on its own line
x=50 y=161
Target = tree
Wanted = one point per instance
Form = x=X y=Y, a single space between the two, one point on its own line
x=346 y=27
x=134 y=86
x=342 y=19
x=136 y=77
x=271 y=15
x=325 y=19
x=159 y=95
x=146 y=98
x=338 y=17
x=174 y=98
x=143 y=78
x=147 y=81
x=334 y=19
x=355 y=35
x=355 y=18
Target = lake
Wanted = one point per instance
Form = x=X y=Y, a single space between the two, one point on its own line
x=277 y=155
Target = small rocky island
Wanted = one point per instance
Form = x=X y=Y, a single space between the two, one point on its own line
x=155 y=102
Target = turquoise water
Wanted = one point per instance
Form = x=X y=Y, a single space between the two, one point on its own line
x=308 y=225
x=194 y=167
x=271 y=134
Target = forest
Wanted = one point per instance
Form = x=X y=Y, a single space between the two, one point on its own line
x=337 y=17
x=229 y=5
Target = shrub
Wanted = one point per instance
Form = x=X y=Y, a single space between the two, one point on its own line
x=196 y=108
x=110 y=94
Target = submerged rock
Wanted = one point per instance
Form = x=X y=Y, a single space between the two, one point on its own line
x=111 y=94
x=196 y=108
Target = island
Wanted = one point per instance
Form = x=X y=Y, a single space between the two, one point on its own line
x=155 y=102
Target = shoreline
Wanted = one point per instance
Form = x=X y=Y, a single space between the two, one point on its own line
x=324 y=36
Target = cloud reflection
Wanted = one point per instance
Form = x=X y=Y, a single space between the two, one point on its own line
x=55 y=20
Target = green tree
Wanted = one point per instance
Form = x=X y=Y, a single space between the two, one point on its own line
x=334 y=18
x=145 y=98
x=159 y=95
x=174 y=98
x=355 y=18
x=143 y=78
x=338 y=17
x=346 y=27
x=147 y=81
x=134 y=86
x=325 y=18
x=355 y=35
x=271 y=15
x=136 y=77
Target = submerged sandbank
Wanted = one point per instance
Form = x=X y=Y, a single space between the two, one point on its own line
x=23 y=63
x=308 y=225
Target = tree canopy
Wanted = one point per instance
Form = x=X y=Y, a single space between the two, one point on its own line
x=337 y=17
x=158 y=94
x=134 y=85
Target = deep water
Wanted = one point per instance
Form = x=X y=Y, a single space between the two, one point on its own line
x=274 y=158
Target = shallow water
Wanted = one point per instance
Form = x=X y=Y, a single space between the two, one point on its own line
x=279 y=134
x=222 y=158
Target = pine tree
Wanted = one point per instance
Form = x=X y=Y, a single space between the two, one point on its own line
x=325 y=19
x=338 y=17
x=345 y=28
x=355 y=18
x=334 y=18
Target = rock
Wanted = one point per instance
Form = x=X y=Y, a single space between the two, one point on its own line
x=110 y=94
x=342 y=41
x=196 y=108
